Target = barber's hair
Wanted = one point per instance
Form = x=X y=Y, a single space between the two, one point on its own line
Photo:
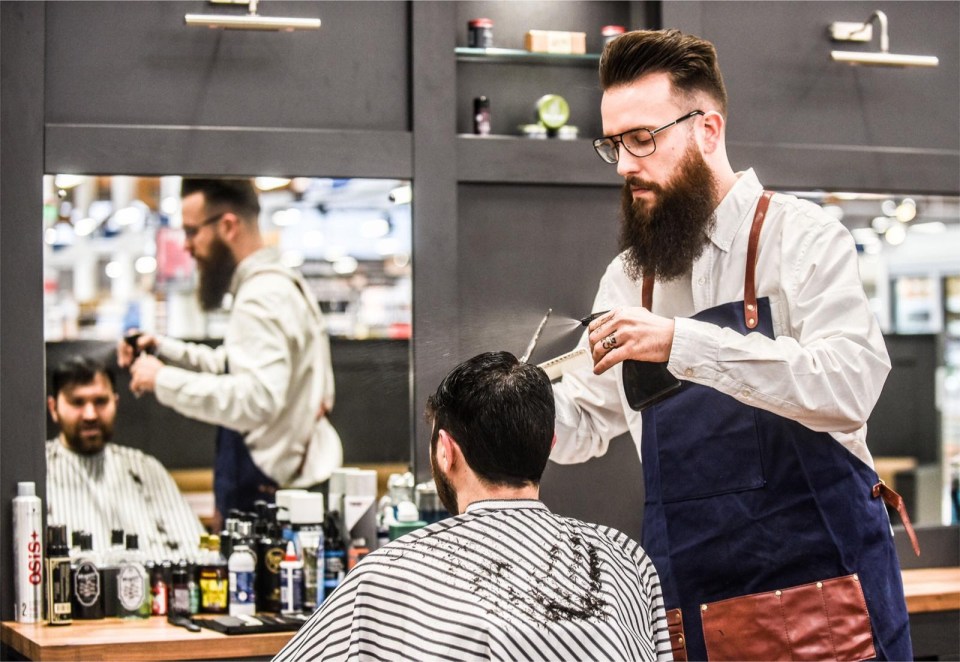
x=79 y=371
x=236 y=195
x=501 y=413
x=691 y=62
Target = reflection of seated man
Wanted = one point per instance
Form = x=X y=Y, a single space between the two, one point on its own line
x=96 y=486
x=506 y=579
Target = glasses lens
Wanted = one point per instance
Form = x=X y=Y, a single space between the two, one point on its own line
x=606 y=149
x=639 y=142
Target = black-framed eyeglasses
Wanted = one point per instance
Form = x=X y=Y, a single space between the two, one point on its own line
x=639 y=142
x=192 y=232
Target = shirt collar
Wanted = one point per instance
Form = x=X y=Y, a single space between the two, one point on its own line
x=249 y=264
x=735 y=208
x=506 y=504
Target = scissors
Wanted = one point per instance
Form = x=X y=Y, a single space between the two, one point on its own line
x=536 y=337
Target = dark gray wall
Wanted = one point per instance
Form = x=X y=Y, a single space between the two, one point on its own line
x=804 y=121
x=21 y=266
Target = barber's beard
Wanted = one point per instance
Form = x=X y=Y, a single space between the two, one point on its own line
x=445 y=490
x=216 y=272
x=664 y=237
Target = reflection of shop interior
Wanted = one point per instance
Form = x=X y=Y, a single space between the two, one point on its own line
x=114 y=257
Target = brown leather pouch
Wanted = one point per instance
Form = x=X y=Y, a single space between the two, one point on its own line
x=825 y=620
x=678 y=643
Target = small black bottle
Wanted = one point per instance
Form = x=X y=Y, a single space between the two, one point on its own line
x=481 y=116
x=59 y=585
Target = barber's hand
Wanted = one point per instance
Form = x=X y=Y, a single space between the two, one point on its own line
x=145 y=342
x=143 y=374
x=629 y=333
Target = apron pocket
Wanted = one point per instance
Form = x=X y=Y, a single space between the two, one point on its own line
x=708 y=448
x=824 y=620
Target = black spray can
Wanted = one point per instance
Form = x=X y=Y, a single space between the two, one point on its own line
x=59 y=586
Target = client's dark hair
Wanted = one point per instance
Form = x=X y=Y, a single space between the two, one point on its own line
x=236 y=195
x=501 y=413
x=79 y=370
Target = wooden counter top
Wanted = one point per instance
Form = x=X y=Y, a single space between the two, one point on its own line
x=148 y=639
x=932 y=589
x=926 y=590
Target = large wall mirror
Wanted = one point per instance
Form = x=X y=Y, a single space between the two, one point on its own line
x=909 y=248
x=114 y=260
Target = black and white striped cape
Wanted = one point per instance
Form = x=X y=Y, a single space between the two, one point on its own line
x=507 y=580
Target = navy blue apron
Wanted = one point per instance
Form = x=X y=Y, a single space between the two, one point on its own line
x=741 y=501
x=237 y=481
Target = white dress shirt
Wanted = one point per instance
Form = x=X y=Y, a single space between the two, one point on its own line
x=824 y=368
x=268 y=378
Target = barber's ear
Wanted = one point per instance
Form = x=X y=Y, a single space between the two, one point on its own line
x=229 y=224
x=713 y=124
x=554 y=441
x=52 y=408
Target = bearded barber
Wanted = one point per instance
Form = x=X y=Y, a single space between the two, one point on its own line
x=763 y=511
x=270 y=384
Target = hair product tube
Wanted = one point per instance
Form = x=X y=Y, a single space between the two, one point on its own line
x=27 y=553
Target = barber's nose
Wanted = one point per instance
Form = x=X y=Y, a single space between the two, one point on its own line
x=628 y=164
x=89 y=410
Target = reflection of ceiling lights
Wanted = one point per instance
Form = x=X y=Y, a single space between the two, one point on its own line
x=906 y=211
x=146 y=264
x=345 y=265
x=170 y=205
x=129 y=215
x=880 y=224
x=401 y=195
x=374 y=228
x=67 y=181
x=113 y=269
x=934 y=227
x=270 y=183
x=895 y=234
x=285 y=217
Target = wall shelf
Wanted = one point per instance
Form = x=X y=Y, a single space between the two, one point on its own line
x=514 y=56
x=517 y=160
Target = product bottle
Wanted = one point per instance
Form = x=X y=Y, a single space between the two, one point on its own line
x=358 y=549
x=481 y=116
x=306 y=520
x=59 y=585
x=213 y=580
x=133 y=583
x=291 y=582
x=28 y=553
x=283 y=511
x=109 y=571
x=88 y=588
x=159 y=574
x=408 y=519
x=242 y=567
x=360 y=506
x=270 y=553
x=334 y=553
x=180 y=591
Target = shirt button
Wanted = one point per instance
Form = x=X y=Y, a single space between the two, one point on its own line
x=701 y=281
x=688 y=372
x=745 y=393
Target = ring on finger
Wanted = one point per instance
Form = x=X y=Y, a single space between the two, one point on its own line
x=610 y=342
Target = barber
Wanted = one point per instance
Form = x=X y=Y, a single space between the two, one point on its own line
x=269 y=386
x=763 y=511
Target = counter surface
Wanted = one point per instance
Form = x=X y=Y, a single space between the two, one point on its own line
x=926 y=589
x=148 y=639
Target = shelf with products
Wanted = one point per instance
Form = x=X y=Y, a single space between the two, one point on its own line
x=516 y=56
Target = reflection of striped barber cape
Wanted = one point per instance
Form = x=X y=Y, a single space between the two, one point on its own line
x=121 y=488
x=507 y=580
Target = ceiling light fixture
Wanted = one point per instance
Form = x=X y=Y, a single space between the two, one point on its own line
x=250 y=21
x=845 y=31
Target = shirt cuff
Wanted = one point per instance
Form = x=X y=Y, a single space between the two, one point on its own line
x=696 y=346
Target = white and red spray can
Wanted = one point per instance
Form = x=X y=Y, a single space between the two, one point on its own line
x=28 y=553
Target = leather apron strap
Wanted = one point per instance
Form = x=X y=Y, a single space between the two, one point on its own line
x=749 y=279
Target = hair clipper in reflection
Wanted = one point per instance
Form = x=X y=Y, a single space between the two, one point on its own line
x=644 y=383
